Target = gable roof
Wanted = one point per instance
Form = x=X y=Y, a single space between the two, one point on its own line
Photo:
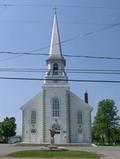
x=33 y=101
x=81 y=102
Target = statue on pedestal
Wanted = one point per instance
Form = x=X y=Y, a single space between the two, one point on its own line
x=52 y=134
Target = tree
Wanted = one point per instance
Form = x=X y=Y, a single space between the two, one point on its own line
x=116 y=135
x=106 y=122
x=1 y=134
x=8 y=128
x=0 y=128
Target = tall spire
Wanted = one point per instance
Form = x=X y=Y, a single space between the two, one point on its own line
x=55 y=46
x=55 y=61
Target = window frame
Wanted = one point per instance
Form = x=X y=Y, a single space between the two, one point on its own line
x=55 y=68
x=79 y=117
x=55 y=107
x=33 y=117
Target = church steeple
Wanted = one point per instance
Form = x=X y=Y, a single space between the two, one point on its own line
x=55 y=60
x=55 y=51
x=55 y=46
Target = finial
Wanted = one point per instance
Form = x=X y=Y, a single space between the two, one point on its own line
x=55 y=10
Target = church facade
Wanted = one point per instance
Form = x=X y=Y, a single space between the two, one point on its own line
x=56 y=106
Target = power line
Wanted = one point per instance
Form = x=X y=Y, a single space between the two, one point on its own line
x=74 y=38
x=105 y=73
x=82 y=35
x=99 y=70
x=20 y=53
x=59 y=6
x=94 y=57
x=3 y=10
x=71 y=80
x=71 y=71
x=66 y=55
x=46 y=22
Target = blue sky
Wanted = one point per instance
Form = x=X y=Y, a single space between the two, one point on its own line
x=27 y=28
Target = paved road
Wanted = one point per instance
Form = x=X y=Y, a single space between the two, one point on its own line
x=106 y=152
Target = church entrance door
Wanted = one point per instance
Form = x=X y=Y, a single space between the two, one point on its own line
x=57 y=137
x=80 y=137
x=33 y=138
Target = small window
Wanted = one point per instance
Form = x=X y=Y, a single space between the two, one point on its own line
x=33 y=117
x=55 y=69
x=79 y=117
x=55 y=106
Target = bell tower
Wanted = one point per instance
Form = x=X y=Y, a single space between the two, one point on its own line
x=55 y=61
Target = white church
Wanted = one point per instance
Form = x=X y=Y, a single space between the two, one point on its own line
x=56 y=106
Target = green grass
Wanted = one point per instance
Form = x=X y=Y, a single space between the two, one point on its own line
x=57 y=154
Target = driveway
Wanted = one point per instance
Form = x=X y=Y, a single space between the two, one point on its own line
x=106 y=152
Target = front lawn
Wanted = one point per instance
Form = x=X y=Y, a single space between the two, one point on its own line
x=56 y=154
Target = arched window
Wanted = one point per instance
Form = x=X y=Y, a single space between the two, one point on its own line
x=55 y=106
x=55 y=69
x=33 y=117
x=79 y=117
